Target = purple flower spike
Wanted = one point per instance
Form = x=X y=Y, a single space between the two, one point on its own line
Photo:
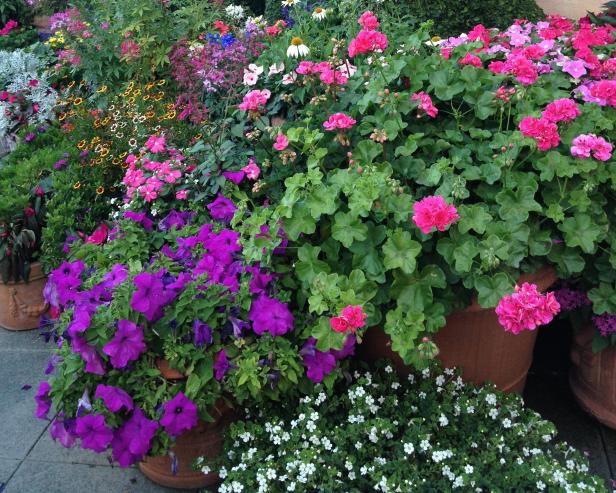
x=114 y=398
x=203 y=333
x=222 y=209
x=43 y=401
x=270 y=315
x=180 y=414
x=94 y=433
x=127 y=344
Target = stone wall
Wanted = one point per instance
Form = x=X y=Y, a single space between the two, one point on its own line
x=570 y=8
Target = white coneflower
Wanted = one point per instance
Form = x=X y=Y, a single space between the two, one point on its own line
x=289 y=3
x=319 y=13
x=297 y=48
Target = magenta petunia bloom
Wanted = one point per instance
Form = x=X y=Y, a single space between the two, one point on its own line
x=94 y=433
x=180 y=414
x=221 y=366
x=114 y=398
x=433 y=212
x=43 y=401
x=270 y=315
x=116 y=276
x=148 y=299
x=133 y=440
x=202 y=333
x=347 y=350
x=222 y=209
x=126 y=345
x=526 y=309
x=318 y=364
x=93 y=360
x=234 y=176
x=63 y=431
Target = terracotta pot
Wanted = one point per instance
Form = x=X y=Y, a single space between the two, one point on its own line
x=206 y=440
x=22 y=304
x=593 y=378
x=168 y=372
x=475 y=342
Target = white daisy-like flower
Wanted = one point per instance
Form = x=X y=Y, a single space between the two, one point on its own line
x=297 y=48
x=235 y=11
x=319 y=13
x=289 y=3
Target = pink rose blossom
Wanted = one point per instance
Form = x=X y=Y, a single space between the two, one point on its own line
x=433 y=212
x=339 y=121
x=526 y=309
x=281 y=142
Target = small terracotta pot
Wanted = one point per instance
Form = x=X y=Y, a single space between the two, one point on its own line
x=21 y=303
x=167 y=372
x=475 y=342
x=205 y=440
x=593 y=378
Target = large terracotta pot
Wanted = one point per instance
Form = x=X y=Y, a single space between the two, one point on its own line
x=593 y=378
x=22 y=304
x=475 y=342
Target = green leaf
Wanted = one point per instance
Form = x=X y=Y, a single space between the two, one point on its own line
x=580 y=231
x=309 y=264
x=193 y=385
x=300 y=222
x=326 y=337
x=366 y=151
x=603 y=298
x=404 y=329
x=348 y=228
x=516 y=206
x=490 y=289
x=401 y=251
x=464 y=255
x=475 y=217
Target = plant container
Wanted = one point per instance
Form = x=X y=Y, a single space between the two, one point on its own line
x=22 y=303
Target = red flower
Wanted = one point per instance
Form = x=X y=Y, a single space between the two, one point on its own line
x=222 y=27
x=99 y=236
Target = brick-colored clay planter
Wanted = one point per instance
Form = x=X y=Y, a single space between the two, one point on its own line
x=593 y=378
x=475 y=342
x=21 y=303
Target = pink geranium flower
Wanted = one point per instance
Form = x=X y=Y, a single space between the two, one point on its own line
x=251 y=169
x=339 y=121
x=281 y=142
x=351 y=319
x=368 y=21
x=543 y=131
x=586 y=144
x=255 y=100
x=470 y=59
x=156 y=144
x=433 y=212
x=367 y=42
x=561 y=110
x=526 y=309
x=425 y=103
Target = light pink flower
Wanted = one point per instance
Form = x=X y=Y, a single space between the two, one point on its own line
x=368 y=21
x=181 y=194
x=575 y=68
x=433 y=212
x=156 y=144
x=281 y=142
x=255 y=100
x=251 y=169
x=339 y=121
x=585 y=144
x=526 y=309
x=250 y=78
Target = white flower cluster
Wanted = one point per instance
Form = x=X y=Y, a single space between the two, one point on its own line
x=235 y=11
x=24 y=73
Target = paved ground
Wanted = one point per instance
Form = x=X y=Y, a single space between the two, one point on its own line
x=30 y=462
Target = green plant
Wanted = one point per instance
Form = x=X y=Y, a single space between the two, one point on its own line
x=16 y=10
x=428 y=433
x=21 y=38
x=607 y=16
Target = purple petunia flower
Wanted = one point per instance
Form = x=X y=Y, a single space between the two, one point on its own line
x=133 y=440
x=202 y=333
x=43 y=401
x=175 y=220
x=149 y=297
x=117 y=275
x=94 y=433
x=114 y=398
x=30 y=137
x=259 y=281
x=140 y=218
x=52 y=362
x=239 y=326
x=81 y=321
x=270 y=315
x=180 y=414
x=234 y=176
x=318 y=363
x=347 y=350
x=63 y=431
x=94 y=362
x=221 y=366
x=127 y=344
x=222 y=209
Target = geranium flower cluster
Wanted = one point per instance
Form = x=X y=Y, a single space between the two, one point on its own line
x=351 y=319
x=586 y=144
x=526 y=309
x=149 y=178
x=8 y=27
x=369 y=39
x=255 y=100
x=326 y=73
x=433 y=212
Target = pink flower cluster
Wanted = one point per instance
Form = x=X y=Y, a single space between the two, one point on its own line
x=561 y=110
x=368 y=39
x=255 y=100
x=130 y=50
x=338 y=121
x=281 y=142
x=433 y=212
x=470 y=59
x=147 y=177
x=526 y=309
x=351 y=319
x=542 y=130
x=518 y=65
x=604 y=92
x=425 y=103
x=585 y=144
x=8 y=27
x=327 y=74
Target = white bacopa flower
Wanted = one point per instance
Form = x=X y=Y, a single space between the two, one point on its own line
x=468 y=469
x=235 y=11
x=491 y=399
x=319 y=13
x=409 y=448
x=540 y=485
x=297 y=48
x=389 y=369
x=442 y=420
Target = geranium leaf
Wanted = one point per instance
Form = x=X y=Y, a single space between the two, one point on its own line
x=581 y=231
x=348 y=228
x=401 y=251
x=490 y=289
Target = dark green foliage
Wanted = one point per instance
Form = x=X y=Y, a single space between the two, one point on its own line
x=16 y=10
x=453 y=18
x=18 y=39
x=607 y=16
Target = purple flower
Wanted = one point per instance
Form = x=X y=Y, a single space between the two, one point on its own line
x=149 y=297
x=180 y=414
x=133 y=440
x=70 y=239
x=59 y=164
x=347 y=350
x=259 y=281
x=94 y=362
x=63 y=431
x=117 y=275
x=127 y=344
x=270 y=315
x=575 y=68
x=222 y=209
x=43 y=401
x=318 y=363
x=94 y=433
x=171 y=220
x=234 y=176
x=570 y=299
x=114 y=398
x=203 y=333
x=30 y=137
x=81 y=321
x=606 y=323
x=221 y=366
x=239 y=326
x=140 y=218
x=52 y=362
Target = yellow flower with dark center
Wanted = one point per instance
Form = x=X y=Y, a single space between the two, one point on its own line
x=81 y=144
x=100 y=190
x=124 y=154
x=102 y=89
x=61 y=116
x=104 y=152
x=149 y=114
x=77 y=185
x=78 y=101
x=146 y=97
x=98 y=160
x=161 y=82
x=131 y=100
x=116 y=160
x=149 y=86
x=137 y=92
